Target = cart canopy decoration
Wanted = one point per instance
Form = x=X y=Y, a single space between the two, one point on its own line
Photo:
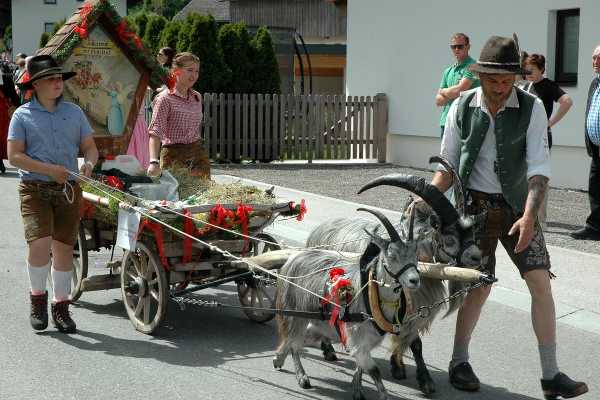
x=113 y=71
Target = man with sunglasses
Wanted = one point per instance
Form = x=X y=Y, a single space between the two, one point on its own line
x=457 y=77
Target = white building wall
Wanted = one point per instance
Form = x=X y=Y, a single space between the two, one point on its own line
x=29 y=16
x=401 y=48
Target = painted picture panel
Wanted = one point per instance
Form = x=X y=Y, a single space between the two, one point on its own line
x=105 y=84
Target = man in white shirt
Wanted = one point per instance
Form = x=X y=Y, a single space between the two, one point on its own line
x=497 y=136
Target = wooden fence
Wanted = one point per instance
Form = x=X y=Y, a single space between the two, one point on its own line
x=288 y=127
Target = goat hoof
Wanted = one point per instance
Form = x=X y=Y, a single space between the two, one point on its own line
x=398 y=372
x=358 y=396
x=304 y=382
x=277 y=362
x=330 y=356
x=427 y=387
x=328 y=352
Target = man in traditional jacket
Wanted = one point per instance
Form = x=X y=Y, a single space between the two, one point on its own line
x=497 y=136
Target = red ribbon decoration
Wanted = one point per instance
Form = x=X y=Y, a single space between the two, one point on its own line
x=115 y=182
x=219 y=216
x=86 y=211
x=82 y=28
x=340 y=286
x=126 y=34
x=243 y=211
x=157 y=230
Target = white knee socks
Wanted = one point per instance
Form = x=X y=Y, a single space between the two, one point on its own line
x=61 y=280
x=460 y=354
x=37 y=278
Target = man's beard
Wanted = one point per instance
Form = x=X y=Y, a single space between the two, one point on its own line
x=494 y=99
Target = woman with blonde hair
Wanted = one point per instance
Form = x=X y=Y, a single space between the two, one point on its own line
x=176 y=121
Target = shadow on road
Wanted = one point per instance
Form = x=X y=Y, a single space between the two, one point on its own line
x=209 y=337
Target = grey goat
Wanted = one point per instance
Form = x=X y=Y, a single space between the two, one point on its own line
x=394 y=266
x=443 y=235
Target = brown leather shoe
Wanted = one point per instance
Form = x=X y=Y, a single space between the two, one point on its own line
x=563 y=386
x=38 y=317
x=62 y=318
x=462 y=377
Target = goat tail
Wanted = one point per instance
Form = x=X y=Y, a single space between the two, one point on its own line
x=456 y=302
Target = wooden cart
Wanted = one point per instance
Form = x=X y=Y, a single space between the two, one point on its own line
x=161 y=266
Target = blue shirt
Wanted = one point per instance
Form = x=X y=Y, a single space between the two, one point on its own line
x=50 y=137
x=592 y=122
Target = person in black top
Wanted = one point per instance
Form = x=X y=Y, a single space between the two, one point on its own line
x=549 y=92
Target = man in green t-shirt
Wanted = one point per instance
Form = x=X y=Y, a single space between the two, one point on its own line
x=457 y=77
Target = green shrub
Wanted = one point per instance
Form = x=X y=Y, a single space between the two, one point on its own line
x=170 y=35
x=154 y=28
x=45 y=37
x=238 y=54
x=199 y=34
x=266 y=69
x=140 y=21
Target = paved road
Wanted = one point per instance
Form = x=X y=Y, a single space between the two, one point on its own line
x=208 y=353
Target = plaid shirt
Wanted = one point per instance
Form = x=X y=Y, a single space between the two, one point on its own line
x=176 y=118
x=593 y=119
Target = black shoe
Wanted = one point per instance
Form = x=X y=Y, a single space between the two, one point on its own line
x=2 y=168
x=586 y=233
x=563 y=386
x=62 y=318
x=38 y=317
x=462 y=377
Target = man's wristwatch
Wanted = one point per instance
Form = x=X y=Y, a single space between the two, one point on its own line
x=154 y=161
x=90 y=164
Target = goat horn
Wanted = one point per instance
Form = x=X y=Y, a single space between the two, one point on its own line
x=456 y=179
x=436 y=199
x=411 y=225
x=394 y=236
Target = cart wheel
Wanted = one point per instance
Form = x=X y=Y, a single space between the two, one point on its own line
x=144 y=288
x=80 y=265
x=257 y=292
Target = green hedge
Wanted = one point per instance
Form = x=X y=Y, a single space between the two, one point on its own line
x=154 y=29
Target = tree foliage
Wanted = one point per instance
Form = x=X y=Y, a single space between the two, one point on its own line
x=199 y=34
x=266 y=68
x=170 y=35
x=154 y=29
x=166 y=8
x=238 y=54
x=140 y=21
x=45 y=37
x=7 y=37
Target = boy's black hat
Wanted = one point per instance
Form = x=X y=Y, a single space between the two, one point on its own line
x=39 y=67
